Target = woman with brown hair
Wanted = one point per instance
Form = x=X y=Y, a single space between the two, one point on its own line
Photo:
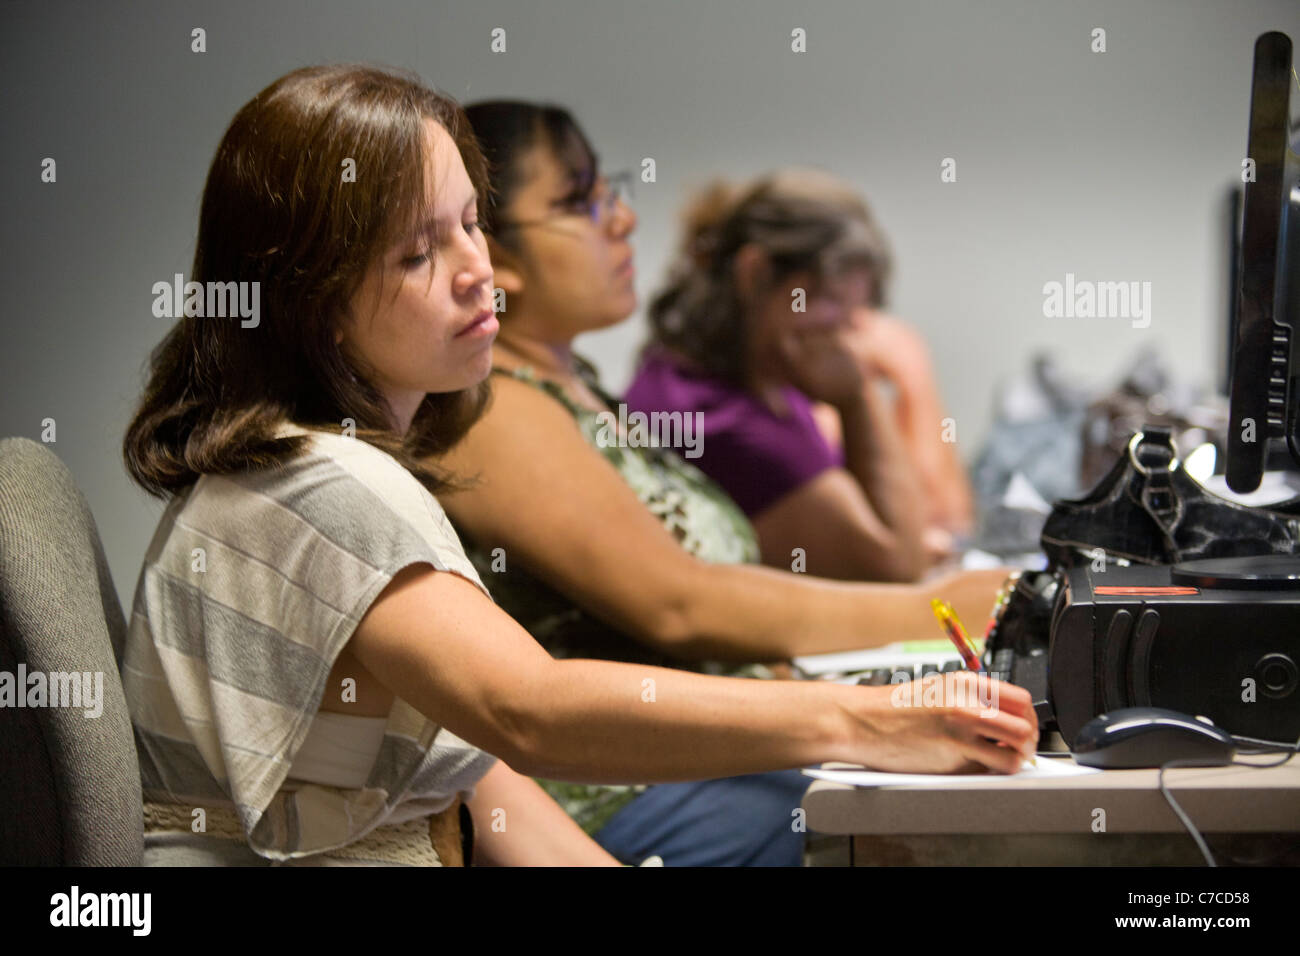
x=604 y=549
x=822 y=413
x=314 y=670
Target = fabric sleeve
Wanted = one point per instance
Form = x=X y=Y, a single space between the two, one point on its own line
x=759 y=458
x=754 y=455
x=246 y=602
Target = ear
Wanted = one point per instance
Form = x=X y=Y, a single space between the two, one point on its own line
x=750 y=267
x=506 y=271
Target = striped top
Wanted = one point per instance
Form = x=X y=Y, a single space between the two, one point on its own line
x=250 y=589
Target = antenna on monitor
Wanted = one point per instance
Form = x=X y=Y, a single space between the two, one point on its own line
x=1264 y=415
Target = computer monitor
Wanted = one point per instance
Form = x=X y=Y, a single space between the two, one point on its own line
x=1264 y=390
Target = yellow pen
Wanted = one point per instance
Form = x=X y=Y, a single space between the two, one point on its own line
x=957 y=634
x=952 y=627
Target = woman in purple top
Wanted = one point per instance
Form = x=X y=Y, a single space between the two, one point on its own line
x=740 y=430
x=606 y=545
x=818 y=414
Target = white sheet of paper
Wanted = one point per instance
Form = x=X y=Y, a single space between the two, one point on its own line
x=1047 y=767
x=889 y=655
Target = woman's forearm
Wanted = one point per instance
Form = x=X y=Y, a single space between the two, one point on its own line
x=516 y=823
x=593 y=721
x=876 y=454
x=922 y=424
x=751 y=613
x=702 y=727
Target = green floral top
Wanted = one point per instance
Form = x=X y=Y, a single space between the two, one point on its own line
x=701 y=517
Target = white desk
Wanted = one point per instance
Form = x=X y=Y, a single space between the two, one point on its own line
x=1050 y=821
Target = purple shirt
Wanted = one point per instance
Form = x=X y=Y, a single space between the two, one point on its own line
x=756 y=456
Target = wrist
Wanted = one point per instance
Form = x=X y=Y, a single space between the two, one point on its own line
x=848 y=726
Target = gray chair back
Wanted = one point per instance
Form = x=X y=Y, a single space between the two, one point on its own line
x=69 y=784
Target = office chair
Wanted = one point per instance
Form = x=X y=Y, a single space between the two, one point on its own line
x=69 y=785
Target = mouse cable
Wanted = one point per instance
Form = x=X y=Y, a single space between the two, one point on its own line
x=1258 y=746
x=1289 y=749
x=1178 y=811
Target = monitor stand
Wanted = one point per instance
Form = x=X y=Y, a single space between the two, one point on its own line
x=1263 y=572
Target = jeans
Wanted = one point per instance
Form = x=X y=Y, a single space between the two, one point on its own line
x=735 y=821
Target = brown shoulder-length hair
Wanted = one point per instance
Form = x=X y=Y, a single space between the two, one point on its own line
x=803 y=221
x=282 y=209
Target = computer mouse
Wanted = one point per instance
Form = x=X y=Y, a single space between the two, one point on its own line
x=1149 y=737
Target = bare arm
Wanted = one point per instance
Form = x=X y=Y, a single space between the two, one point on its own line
x=865 y=521
x=861 y=522
x=560 y=509
x=905 y=360
x=876 y=456
x=440 y=644
x=516 y=823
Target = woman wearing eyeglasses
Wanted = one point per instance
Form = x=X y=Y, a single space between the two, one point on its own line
x=607 y=550
x=821 y=413
x=314 y=670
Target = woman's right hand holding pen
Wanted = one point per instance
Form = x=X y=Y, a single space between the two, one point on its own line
x=958 y=722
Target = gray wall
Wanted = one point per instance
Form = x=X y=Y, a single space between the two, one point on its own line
x=1111 y=166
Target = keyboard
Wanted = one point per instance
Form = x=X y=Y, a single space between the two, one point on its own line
x=999 y=667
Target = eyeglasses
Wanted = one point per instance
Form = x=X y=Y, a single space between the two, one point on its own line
x=852 y=285
x=597 y=206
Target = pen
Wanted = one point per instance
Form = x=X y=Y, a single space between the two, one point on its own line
x=952 y=627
